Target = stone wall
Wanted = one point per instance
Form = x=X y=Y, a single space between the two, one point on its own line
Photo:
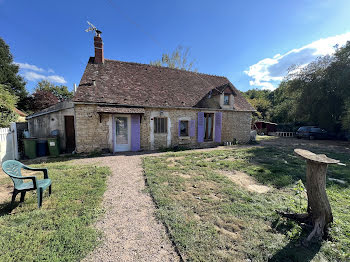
x=235 y=125
x=41 y=126
x=90 y=134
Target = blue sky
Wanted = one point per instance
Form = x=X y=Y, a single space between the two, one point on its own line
x=250 y=42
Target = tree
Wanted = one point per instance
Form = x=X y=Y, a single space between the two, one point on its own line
x=346 y=116
x=261 y=101
x=317 y=94
x=179 y=58
x=43 y=99
x=321 y=90
x=61 y=92
x=9 y=77
x=7 y=104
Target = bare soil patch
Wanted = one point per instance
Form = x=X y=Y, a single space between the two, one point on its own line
x=172 y=160
x=182 y=175
x=245 y=181
x=329 y=145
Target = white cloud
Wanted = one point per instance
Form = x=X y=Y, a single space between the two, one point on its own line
x=29 y=72
x=268 y=72
x=56 y=79
x=32 y=76
x=27 y=66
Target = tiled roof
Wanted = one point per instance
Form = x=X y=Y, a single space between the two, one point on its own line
x=54 y=108
x=133 y=84
x=120 y=110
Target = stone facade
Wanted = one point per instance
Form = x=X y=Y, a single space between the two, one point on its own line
x=42 y=126
x=91 y=134
x=95 y=135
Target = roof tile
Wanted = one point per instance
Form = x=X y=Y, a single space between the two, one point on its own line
x=134 y=84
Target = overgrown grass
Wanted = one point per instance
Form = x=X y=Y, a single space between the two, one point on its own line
x=61 y=230
x=211 y=218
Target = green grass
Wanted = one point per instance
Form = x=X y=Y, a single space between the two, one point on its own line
x=62 y=229
x=261 y=138
x=210 y=218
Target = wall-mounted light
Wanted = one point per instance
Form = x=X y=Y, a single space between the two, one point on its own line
x=161 y=113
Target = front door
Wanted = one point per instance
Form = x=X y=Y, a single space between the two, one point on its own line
x=122 y=134
x=70 y=133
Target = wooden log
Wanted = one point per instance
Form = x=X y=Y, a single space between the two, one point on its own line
x=319 y=211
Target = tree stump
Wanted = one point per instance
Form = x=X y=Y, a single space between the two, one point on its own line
x=319 y=213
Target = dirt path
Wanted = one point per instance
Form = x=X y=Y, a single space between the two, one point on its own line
x=131 y=232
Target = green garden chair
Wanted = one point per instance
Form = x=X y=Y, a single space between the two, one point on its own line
x=13 y=169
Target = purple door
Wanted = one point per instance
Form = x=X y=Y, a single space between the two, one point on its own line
x=135 y=133
x=218 y=124
x=200 y=124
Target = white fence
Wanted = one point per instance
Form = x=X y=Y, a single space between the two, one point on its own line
x=8 y=143
x=282 y=134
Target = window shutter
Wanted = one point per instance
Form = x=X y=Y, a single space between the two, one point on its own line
x=192 y=128
x=179 y=127
x=114 y=132
x=200 y=127
x=218 y=124
x=135 y=132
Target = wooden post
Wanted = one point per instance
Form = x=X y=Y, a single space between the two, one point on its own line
x=319 y=212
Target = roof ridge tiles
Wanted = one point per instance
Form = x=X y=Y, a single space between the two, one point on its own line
x=163 y=67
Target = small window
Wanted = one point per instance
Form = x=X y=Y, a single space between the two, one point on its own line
x=160 y=125
x=184 y=128
x=208 y=126
x=226 y=99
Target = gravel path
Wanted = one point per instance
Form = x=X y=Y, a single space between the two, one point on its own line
x=131 y=232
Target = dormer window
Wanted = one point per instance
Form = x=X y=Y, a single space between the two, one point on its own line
x=226 y=100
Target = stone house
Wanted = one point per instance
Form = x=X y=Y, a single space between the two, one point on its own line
x=57 y=117
x=124 y=106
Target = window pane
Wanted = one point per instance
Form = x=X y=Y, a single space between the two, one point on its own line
x=183 y=128
x=160 y=125
x=210 y=123
x=122 y=130
x=226 y=99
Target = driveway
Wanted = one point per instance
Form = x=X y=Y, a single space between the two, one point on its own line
x=131 y=231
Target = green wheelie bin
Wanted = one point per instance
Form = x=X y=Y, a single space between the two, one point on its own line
x=54 y=146
x=30 y=147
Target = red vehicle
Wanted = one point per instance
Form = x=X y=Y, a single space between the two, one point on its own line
x=263 y=127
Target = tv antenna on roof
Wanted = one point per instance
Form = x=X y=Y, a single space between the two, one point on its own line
x=93 y=28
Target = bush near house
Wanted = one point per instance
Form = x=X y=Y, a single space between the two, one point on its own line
x=7 y=105
x=61 y=230
x=212 y=218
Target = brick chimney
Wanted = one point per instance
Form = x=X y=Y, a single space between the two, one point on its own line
x=99 y=58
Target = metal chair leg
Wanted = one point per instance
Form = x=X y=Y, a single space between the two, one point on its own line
x=50 y=191
x=14 y=194
x=23 y=193
x=40 y=196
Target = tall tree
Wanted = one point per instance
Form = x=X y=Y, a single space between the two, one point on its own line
x=61 y=92
x=261 y=101
x=179 y=59
x=43 y=99
x=7 y=104
x=9 y=76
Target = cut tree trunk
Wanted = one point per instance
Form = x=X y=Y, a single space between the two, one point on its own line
x=319 y=208
x=319 y=212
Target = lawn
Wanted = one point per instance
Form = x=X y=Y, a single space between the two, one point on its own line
x=213 y=217
x=62 y=229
